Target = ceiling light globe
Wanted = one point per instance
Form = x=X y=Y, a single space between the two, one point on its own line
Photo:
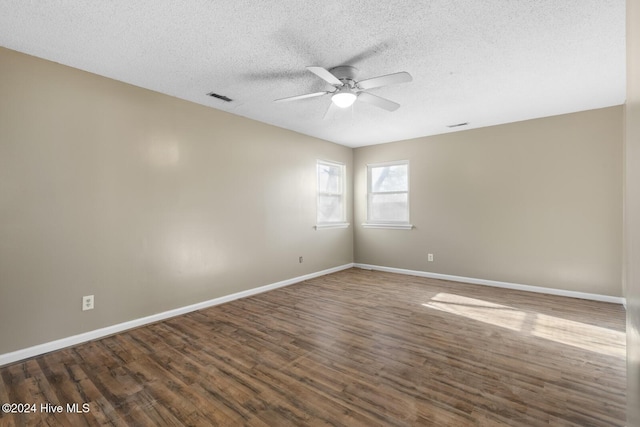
x=344 y=99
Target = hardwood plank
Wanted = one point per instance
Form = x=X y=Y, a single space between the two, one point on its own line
x=357 y=348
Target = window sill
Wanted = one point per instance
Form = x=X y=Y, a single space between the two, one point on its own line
x=388 y=226
x=333 y=225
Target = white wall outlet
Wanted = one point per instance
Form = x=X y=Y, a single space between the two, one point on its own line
x=430 y=257
x=87 y=302
x=300 y=259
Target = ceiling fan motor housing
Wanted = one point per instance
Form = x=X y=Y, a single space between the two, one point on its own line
x=345 y=73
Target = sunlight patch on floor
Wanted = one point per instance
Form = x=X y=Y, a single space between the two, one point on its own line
x=576 y=334
x=484 y=311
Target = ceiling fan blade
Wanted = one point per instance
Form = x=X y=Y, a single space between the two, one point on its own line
x=378 y=101
x=331 y=111
x=389 y=79
x=295 y=98
x=325 y=75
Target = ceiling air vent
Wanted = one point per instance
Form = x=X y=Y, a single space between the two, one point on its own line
x=222 y=97
x=457 y=125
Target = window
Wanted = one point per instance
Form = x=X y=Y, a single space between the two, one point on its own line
x=388 y=195
x=331 y=201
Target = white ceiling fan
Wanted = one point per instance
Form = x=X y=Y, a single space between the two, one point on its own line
x=346 y=89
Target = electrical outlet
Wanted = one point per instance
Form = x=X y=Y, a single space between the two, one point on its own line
x=87 y=302
x=300 y=260
x=430 y=257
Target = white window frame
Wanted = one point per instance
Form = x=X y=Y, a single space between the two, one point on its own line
x=342 y=223
x=398 y=225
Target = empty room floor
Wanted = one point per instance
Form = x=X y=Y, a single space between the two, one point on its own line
x=354 y=348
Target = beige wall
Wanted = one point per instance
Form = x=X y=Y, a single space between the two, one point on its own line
x=146 y=201
x=632 y=211
x=536 y=202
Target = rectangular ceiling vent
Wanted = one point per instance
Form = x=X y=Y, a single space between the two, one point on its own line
x=458 y=125
x=222 y=97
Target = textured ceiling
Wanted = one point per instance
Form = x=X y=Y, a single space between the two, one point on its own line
x=482 y=62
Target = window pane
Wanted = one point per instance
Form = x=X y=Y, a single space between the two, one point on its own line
x=329 y=178
x=331 y=204
x=389 y=178
x=388 y=207
x=330 y=208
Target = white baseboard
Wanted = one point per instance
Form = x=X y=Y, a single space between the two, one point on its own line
x=37 y=350
x=507 y=285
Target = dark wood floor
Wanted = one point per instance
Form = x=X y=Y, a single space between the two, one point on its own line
x=355 y=348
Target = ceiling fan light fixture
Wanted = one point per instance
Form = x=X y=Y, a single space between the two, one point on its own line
x=344 y=98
